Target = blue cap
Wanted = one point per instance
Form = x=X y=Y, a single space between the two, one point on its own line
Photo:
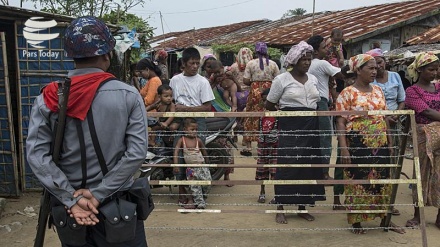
x=87 y=37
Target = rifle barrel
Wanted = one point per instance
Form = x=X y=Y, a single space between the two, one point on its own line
x=44 y=211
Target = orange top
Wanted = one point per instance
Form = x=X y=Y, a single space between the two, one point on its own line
x=149 y=91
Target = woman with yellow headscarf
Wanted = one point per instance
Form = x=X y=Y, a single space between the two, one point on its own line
x=364 y=140
x=424 y=98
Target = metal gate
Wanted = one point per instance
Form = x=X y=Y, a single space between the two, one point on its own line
x=8 y=155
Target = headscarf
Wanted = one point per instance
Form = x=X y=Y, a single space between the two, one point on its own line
x=202 y=63
x=161 y=54
x=297 y=52
x=422 y=59
x=377 y=52
x=357 y=61
x=261 y=50
x=243 y=57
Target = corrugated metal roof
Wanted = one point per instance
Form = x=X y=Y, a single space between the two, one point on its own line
x=20 y=13
x=197 y=36
x=166 y=36
x=16 y=13
x=359 y=23
x=431 y=36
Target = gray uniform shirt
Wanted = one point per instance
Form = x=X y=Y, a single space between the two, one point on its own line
x=120 y=122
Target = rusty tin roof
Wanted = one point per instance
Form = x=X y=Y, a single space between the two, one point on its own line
x=197 y=36
x=431 y=36
x=357 y=24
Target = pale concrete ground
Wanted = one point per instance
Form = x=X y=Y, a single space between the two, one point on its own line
x=237 y=229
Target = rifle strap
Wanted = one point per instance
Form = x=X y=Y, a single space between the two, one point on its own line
x=95 y=141
x=82 y=147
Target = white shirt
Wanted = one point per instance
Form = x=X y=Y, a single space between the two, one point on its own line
x=322 y=70
x=191 y=90
x=288 y=92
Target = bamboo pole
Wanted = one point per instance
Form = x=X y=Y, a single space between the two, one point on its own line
x=282 y=182
x=255 y=211
x=313 y=17
x=271 y=165
x=20 y=113
x=10 y=115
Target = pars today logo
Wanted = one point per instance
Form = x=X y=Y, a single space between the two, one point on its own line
x=32 y=29
x=31 y=32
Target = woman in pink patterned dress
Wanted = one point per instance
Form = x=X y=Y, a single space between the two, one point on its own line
x=424 y=98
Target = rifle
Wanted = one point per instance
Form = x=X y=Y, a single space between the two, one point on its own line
x=43 y=215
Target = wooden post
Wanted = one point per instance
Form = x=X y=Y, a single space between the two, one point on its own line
x=420 y=204
x=313 y=18
x=10 y=115
x=402 y=148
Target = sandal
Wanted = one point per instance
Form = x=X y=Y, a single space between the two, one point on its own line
x=338 y=207
x=246 y=153
x=182 y=202
x=307 y=217
x=190 y=206
x=357 y=229
x=273 y=201
x=409 y=156
x=262 y=198
x=412 y=223
x=396 y=228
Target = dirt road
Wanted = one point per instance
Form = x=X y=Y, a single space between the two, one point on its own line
x=166 y=227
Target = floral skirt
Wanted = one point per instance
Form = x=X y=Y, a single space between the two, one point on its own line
x=366 y=196
x=267 y=154
x=254 y=104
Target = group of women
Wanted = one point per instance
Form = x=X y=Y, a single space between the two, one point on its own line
x=361 y=139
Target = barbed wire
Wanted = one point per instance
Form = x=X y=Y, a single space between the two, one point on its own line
x=281 y=204
x=283 y=195
x=279 y=133
x=271 y=229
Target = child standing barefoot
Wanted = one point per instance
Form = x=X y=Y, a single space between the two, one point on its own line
x=267 y=148
x=194 y=152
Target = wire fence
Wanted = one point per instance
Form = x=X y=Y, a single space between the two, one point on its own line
x=222 y=156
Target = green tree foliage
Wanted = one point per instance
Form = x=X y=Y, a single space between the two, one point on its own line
x=144 y=31
x=294 y=12
x=234 y=48
x=77 y=8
